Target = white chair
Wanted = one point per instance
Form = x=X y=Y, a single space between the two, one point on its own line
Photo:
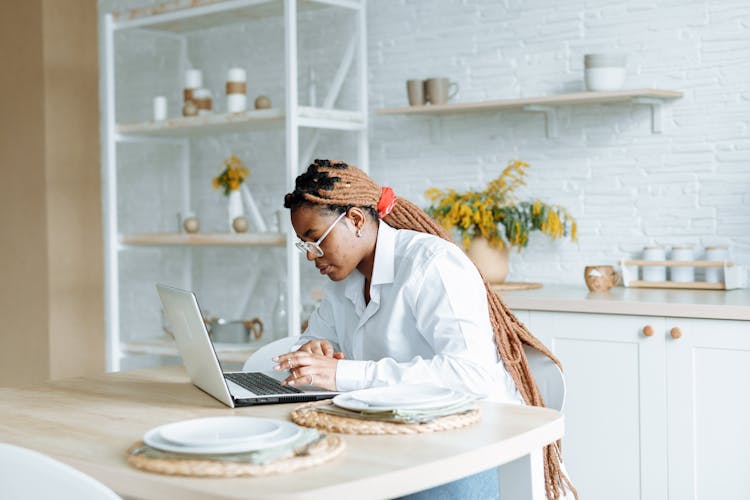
x=549 y=378
x=523 y=478
x=28 y=474
x=260 y=360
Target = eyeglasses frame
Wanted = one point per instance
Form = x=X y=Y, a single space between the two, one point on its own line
x=313 y=247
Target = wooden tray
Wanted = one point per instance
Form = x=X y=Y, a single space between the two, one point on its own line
x=692 y=285
x=689 y=285
x=514 y=285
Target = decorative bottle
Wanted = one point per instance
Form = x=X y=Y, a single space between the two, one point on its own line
x=280 y=314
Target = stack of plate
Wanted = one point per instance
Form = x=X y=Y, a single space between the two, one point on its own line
x=218 y=435
x=408 y=402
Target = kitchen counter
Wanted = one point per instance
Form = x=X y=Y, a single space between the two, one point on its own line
x=732 y=304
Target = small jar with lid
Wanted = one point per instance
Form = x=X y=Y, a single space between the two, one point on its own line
x=654 y=273
x=681 y=274
x=716 y=253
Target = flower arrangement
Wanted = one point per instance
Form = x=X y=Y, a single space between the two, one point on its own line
x=234 y=173
x=496 y=215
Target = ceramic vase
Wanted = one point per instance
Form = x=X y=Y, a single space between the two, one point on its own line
x=491 y=261
x=234 y=207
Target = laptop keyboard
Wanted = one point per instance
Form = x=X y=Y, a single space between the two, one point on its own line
x=260 y=384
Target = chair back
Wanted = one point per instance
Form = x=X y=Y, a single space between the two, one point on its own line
x=524 y=477
x=549 y=378
x=27 y=474
x=260 y=360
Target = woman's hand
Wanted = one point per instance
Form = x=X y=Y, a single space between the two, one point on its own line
x=322 y=347
x=308 y=368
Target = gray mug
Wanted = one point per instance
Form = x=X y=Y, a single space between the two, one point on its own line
x=439 y=90
x=415 y=92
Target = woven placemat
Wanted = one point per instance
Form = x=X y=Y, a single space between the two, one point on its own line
x=307 y=416
x=514 y=285
x=322 y=451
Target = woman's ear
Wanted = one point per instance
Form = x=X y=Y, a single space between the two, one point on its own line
x=357 y=217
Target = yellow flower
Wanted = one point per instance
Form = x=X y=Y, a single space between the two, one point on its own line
x=233 y=174
x=495 y=214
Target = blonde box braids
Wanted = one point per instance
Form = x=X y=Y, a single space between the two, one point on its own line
x=339 y=186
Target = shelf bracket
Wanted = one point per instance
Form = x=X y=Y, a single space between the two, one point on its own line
x=550 y=117
x=656 y=114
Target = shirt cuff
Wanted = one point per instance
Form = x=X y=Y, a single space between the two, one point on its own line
x=351 y=375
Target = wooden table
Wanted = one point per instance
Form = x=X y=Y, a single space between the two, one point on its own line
x=89 y=422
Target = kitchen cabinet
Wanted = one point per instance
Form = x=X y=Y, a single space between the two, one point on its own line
x=145 y=51
x=708 y=405
x=656 y=407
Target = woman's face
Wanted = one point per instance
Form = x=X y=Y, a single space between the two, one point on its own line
x=340 y=254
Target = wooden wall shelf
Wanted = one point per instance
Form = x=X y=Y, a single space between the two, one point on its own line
x=204 y=239
x=184 y=16
x=653 y=98
x=246 y=121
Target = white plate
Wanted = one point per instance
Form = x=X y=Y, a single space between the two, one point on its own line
x=349 y=403
x=288 y=433
x=397 y=395
x=217 y=431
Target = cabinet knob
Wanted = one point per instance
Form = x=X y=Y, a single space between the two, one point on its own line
x=648 y=330
x=675 y=332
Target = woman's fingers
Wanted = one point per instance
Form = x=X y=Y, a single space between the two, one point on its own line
x=322 y=347
x=305 y=368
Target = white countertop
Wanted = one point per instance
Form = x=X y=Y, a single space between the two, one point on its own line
x=732 y=304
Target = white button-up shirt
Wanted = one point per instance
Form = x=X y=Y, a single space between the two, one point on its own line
x=427 y=320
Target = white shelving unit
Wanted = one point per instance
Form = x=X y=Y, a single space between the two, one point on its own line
x=176 y=19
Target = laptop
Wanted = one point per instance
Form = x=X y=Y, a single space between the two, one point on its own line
x=200 y=360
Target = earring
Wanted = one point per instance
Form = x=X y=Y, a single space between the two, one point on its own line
x=359 y=233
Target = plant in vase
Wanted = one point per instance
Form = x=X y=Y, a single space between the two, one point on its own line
x=492 y=221
x=230 y=179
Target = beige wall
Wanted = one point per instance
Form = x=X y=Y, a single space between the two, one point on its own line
x=24 y=305
x=51 y=303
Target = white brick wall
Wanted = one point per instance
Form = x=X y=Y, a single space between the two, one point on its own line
x=626 y=186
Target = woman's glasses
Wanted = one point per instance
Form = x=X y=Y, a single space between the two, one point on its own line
x=313 y=247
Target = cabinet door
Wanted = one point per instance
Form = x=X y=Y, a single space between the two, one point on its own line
x=522 y=315
x=708 y=387
x=615 y=412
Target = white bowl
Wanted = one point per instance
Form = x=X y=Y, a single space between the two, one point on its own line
x=604 y=60
x=603 y=79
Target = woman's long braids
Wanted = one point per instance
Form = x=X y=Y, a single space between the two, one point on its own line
x=339 y=186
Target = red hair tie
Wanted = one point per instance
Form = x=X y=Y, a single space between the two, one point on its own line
x=386 y=202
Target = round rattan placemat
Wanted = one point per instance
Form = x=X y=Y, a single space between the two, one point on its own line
x=307 y=416
x=322 y=451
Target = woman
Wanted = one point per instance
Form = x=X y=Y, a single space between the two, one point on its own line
x=406 y=305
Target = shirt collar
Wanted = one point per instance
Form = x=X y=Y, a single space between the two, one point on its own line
x=385 y=255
